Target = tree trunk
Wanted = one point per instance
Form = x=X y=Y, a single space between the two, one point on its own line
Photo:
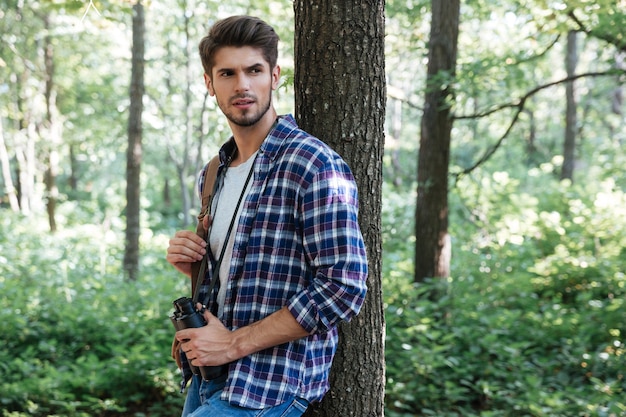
x=72 y=181
x=531 y=140
x=340 y=97
x=134 y=152
x=27 y=118
x=617 y=99
x=182 y=159
x=569 y=144
x=52 y=131
x=189 y=81
x=7 y=179
x=432 y=246
x=26 y=166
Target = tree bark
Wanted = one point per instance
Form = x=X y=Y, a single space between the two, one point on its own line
x=189 y=132
x=531 y=140
x=7 y=179
x=569 y=144
x=617 y=98
x=433 y=247
x=134 y=151
x=52 y=131
x=26 y=165
x=72 y=181
x=340 y=97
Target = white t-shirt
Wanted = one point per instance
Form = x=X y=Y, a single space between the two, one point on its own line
x=227 y=200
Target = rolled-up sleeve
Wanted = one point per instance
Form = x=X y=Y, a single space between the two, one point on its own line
x=335 y=251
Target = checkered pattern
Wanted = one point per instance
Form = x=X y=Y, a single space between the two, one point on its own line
x=298 y=244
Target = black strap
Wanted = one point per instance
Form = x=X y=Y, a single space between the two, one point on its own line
x=205 y=259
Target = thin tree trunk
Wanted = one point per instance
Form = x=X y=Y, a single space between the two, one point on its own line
x=7 y=179
x=73 y=177
x=52 y=132
x=26 y=163
x=340 y=97
x=188 y=125
x=25 y=136
x=134 y=152
x=433 y=247
x=617 y=97
x=183 y=163
x=569 y=144
x=531 y=141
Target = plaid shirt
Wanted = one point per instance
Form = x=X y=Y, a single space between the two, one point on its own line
x=297 y=244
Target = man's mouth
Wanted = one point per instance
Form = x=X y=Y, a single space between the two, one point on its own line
x=243 y=102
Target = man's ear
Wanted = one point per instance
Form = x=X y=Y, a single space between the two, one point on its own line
x=275 y=77
x=209 y=84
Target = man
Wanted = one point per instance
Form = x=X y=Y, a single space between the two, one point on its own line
x=294 y=265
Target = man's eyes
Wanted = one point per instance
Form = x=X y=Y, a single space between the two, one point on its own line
x=252 y=70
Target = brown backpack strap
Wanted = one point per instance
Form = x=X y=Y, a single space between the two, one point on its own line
x=207 y=195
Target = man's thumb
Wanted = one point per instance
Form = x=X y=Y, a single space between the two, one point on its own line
x=206 y=313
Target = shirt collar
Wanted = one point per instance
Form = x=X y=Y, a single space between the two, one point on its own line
x=272 y=145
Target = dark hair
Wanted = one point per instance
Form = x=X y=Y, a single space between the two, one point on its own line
x=239 y=31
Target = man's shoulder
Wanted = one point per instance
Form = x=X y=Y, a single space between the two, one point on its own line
x=287 y=139
x=287 y=128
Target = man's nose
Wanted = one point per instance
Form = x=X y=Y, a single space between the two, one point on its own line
x=243 y=83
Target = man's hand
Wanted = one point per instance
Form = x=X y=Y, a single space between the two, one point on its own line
x=214 y=344
x=210 y=345
x=185 y=248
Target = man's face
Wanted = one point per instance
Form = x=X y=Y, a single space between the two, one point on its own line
x=242 y=82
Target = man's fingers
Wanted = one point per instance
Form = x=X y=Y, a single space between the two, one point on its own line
x=189 y=235
x=182 y=253
x=185 y=248
x=184 y=336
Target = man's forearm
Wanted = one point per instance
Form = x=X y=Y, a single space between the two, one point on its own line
x=276 y=329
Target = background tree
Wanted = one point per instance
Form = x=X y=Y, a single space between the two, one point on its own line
x=7 y=178
x=183 y=110
x=52 y=126
x=340 y=98
x=22 y=72
x=433 y=246
x=569 y=143
x=134 y=152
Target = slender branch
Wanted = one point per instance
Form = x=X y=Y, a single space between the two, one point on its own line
x=540 y=54
x=489 y=153
x=519 y=106
x=613 y=40
x=520 y=101
x=397 y=93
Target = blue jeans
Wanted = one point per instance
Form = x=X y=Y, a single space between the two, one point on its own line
x=203 y=400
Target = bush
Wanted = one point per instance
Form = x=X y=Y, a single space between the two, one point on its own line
x=83 y=341
x=532 y=322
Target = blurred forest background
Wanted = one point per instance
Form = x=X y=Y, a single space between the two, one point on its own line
x=531 y=320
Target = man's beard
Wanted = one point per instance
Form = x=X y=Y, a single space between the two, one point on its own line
x=248 y=119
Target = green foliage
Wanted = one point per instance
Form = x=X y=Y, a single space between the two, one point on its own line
x=77 y=339
x=532 y=321
x=530 y=324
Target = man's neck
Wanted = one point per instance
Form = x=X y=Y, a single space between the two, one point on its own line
x=250 y=138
